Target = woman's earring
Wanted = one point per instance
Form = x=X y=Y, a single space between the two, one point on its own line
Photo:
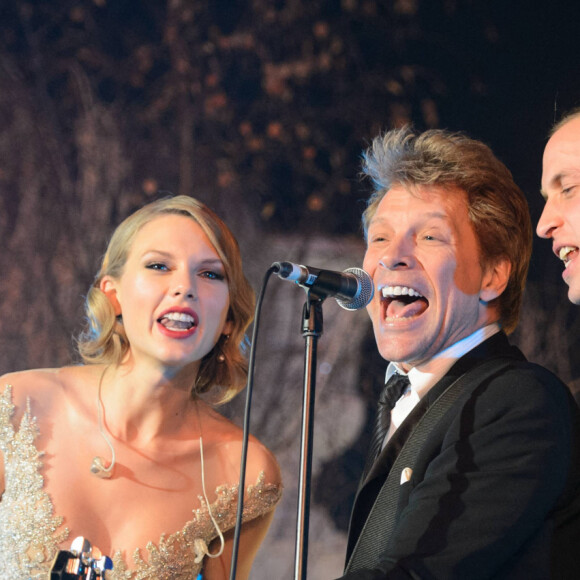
x=221 y=356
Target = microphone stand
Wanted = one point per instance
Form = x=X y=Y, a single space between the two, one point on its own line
x=311 y=331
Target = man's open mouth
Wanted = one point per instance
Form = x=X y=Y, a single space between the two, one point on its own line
x=567 y=253
x=402 y=302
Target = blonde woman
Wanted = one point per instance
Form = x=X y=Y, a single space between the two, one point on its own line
x=123 y=449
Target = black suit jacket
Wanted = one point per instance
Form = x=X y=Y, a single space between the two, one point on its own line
x=494 y=491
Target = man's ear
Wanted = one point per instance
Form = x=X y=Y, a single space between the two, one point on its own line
x=495 y=279
x=108 y=286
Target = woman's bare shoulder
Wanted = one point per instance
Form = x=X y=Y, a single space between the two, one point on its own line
x=30 y=380
x=260 y=460
x=41 y=383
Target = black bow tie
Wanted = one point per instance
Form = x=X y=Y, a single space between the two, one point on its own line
x=392 y=392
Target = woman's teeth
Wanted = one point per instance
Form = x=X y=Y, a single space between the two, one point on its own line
x=177 y=321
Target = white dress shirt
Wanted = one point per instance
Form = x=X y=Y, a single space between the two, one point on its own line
x=430 y=373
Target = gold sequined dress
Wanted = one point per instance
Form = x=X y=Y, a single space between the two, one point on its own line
x=30 y=532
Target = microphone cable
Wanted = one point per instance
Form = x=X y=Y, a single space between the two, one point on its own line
x=246 y=428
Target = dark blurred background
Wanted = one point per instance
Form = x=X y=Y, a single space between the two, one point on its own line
x=261 y=109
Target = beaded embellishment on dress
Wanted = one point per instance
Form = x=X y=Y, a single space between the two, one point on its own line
x=30 y=532
x=28 y=528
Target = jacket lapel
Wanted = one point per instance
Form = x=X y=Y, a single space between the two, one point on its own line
x=496 y=345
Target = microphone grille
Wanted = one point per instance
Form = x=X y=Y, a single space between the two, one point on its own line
x=366 y=290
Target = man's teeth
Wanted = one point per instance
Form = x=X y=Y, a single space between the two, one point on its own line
x=565 y=252
x=389 y=291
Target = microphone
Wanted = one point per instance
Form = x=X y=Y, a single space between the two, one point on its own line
x=353 y=288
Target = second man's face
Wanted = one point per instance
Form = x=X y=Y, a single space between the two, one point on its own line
x=560 y=219
x=424 y=258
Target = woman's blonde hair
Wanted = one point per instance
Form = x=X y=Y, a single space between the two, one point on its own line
x=104 y=340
